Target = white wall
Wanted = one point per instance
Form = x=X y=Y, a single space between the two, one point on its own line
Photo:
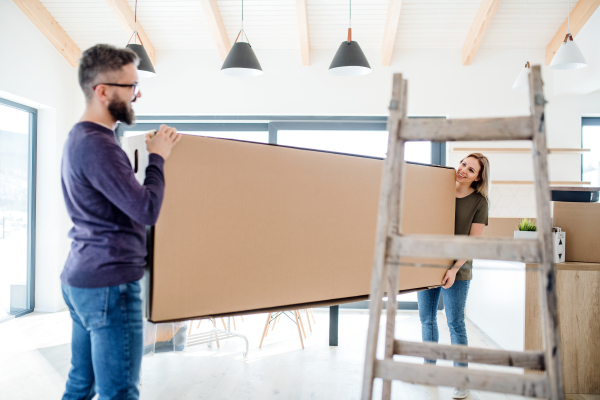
x=496 y=301
x=32 y=72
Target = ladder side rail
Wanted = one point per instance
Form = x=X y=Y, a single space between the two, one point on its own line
x=395 y=227
x=397 y=113
x=547 y=272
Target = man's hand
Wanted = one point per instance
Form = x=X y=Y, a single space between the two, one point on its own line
x=163 y=141
x=449 y=278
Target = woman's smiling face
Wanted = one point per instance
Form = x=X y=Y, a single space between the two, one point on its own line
x=468 y=171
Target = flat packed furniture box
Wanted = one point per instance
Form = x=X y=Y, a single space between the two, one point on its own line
x=581 y=223
x=248 y=227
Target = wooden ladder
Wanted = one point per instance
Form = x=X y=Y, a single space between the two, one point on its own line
x=391 y=245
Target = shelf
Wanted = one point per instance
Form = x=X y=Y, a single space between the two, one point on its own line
x=552 y=183
x=515 y=150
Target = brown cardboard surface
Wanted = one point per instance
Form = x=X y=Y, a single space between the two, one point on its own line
x=581 y=222
x=247 y=227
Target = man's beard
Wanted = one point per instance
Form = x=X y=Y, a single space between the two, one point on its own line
x=121 y=111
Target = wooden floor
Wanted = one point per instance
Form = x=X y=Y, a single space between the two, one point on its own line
x=35 y=359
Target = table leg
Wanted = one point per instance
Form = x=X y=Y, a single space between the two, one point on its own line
x=334 y=312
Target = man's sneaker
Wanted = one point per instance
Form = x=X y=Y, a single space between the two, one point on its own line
x=460 y=393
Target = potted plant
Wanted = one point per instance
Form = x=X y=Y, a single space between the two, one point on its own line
x=527 y=229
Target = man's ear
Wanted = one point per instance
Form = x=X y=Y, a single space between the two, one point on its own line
x=100 y=93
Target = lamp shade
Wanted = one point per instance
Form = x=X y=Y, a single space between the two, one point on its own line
x=145 y=68
x=241 y=61
x=522 y=82
x=349 y=60
x=568 y=55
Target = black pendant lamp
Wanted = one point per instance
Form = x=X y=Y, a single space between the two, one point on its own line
x=241 y=60
x=145 y=67
x=349 y=59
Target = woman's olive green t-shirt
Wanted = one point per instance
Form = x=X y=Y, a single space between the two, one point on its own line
x=471 y=209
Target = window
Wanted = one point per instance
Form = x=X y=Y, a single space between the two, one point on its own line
x=17 y=208
x=590 y=161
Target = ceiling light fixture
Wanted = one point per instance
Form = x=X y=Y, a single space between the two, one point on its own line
x=241 y=60
x=568 y=55
x=145 y=68
x=349 y=60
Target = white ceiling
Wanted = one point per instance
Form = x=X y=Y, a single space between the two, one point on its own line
x=272 y=24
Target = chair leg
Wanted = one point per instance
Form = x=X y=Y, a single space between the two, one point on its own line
x=274 y=323
x=234 y=328
x=313 y=316
x=200 y=320
x=301 y=324
x=265 y=331
x=223 y=321
x=191 y=324
x=308 y=319
x=298 y=325
x=242 y=317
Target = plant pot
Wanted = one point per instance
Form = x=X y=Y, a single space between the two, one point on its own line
x=526 y=235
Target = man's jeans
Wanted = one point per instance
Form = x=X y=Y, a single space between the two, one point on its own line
x=107 y=342
x=455 y=300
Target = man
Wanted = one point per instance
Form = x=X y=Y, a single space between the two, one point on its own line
x=109 y=210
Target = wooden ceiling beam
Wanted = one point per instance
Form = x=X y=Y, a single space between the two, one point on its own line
x=581 y=12
x=47 y=25
x=126 y=18
x=483 y=19
x=390 y=31
x=217 y=27
x=302 y=13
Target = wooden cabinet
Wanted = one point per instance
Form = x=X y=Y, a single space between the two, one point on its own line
x=578 y=292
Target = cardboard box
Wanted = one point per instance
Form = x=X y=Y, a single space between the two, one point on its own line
x=249 y=227
x=581 y=223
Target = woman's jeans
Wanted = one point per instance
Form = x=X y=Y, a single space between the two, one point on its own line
x=455 y=300
x=107 y=342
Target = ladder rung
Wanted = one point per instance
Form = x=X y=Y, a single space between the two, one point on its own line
x=534 y=385
x=434 y=351
x=441 y=129
x=463 y=247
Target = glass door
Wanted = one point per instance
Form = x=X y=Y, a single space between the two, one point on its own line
x=17 y=209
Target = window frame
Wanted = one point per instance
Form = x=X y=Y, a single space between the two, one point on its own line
x=587 y=121
x=31 y=202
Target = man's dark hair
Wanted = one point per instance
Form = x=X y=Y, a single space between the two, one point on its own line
x=101 y=59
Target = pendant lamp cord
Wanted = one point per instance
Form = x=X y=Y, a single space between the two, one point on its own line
x=350 y=22
x=134 y=34
x=135 y=23
x=528 y=22
x=569 y=18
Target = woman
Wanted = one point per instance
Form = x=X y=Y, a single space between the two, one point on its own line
x=471 y=217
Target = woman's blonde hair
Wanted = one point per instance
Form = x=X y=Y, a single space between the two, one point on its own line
x=481 y=186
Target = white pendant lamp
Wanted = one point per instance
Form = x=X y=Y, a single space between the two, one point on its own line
x=241 y=60
x=349 y=60
x=522 y=82
x=145 y=68
x=568 y=55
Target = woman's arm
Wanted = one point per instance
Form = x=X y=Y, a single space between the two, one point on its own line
x=448 y=281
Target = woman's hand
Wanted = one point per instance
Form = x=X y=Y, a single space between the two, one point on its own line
x=449 y=278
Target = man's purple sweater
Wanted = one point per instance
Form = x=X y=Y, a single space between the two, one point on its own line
x=108 y=207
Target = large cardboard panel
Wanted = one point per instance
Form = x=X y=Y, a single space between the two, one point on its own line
x=581 y=222
x=248 y=227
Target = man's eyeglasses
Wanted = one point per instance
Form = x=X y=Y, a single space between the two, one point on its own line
x=136 y=88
